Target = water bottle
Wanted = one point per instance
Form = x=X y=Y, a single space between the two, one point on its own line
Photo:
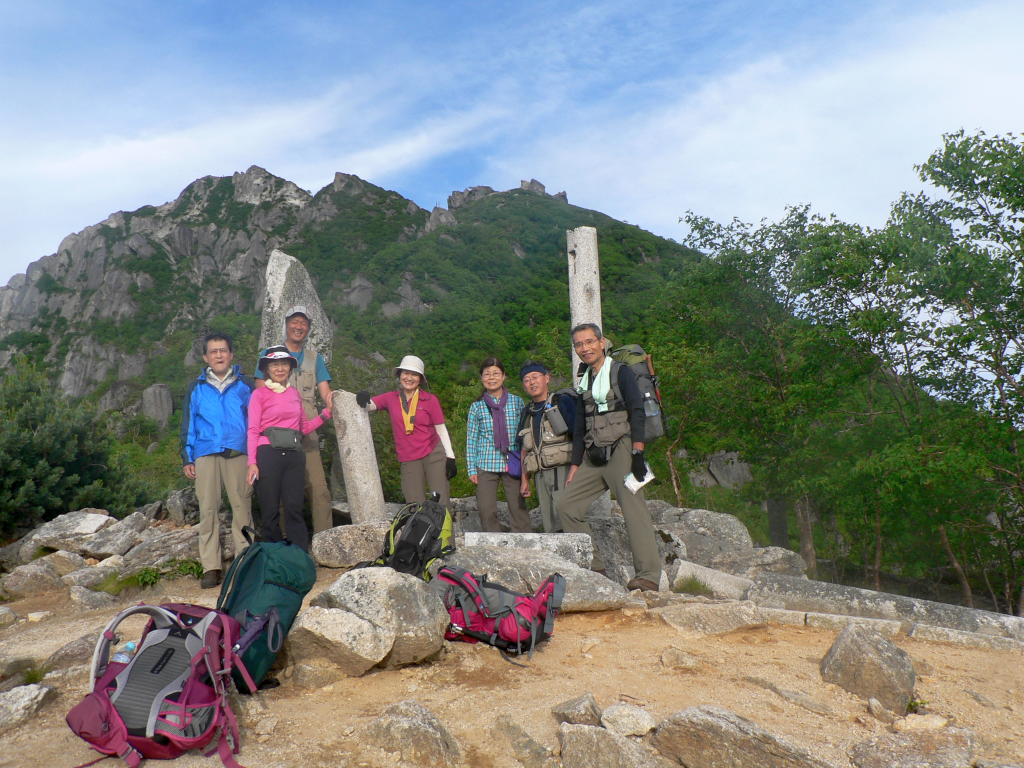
x=558 y=425
x=123 y=657
x=650 y=406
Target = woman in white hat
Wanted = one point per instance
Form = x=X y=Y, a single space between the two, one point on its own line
x=421 y=437
x=277 y=423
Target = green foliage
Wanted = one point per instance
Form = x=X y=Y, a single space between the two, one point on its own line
x=915 y=705
x=55 y=455
x=34 y=675
x=150 y=576
x=691 y=585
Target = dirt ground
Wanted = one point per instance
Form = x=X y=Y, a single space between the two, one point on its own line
x=614 y=656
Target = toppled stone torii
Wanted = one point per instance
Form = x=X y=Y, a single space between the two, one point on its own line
x=288 y=284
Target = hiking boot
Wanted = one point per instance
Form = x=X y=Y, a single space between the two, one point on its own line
x=210 y=579
x=643 y=585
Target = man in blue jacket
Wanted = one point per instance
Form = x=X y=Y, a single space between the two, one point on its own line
x=213 y=449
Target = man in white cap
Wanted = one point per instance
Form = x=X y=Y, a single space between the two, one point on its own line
x=309 y=377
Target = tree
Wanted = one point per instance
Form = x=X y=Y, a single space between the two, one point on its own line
x=55 y=455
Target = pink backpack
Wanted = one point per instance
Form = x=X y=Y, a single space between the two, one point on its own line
x=171 y=696
x=482 y=611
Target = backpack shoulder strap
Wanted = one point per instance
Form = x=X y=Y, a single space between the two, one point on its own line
x=161 y=617
x=613 y=379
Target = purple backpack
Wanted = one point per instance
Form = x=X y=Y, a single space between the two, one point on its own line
x=172 y=696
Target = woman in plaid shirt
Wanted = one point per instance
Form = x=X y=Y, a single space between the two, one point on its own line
x=490 y=436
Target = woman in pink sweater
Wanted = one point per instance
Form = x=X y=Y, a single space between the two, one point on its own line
x=277 y=422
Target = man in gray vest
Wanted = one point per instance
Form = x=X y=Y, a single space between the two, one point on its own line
x=545 y=436
x=308 y=377
x=608 y=445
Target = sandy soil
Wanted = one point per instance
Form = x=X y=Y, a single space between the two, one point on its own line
x=470 y=685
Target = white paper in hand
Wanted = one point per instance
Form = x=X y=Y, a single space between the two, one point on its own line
x=631 y=482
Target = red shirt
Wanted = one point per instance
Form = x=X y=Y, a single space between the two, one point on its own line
x=268 y=408
x=424 y=437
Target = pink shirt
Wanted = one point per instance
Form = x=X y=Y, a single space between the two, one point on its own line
x=424 y=437
x=268 y=408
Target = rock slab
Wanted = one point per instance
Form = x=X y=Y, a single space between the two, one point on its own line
x=713 y=737
x=527 y=750
x=524 y=570
x=628 y=720
x=710 y=618
x=584 y=746
x=583 y=710
x=346 y=545
x=865 y=663
x=577 y=548
x=21 y=703
x=36 y=578
x=946 y=748
x=414 y=732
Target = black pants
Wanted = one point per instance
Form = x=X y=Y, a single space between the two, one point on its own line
x=282 y=486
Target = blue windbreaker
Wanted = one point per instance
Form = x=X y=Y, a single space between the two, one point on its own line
x=213 y=421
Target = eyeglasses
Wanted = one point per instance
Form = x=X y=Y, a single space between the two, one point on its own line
x=584 y=343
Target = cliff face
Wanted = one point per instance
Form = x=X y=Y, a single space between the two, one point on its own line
x=113 y=290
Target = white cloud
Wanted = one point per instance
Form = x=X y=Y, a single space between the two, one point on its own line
x=841 y=132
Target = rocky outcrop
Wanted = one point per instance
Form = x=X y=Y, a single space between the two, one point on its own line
x=708 y=736
x=288 y=284
x=584 y=746
x=867 y=664
x=577 y=548
x=945 y=748
x=458 y=199
x=157 y=403
x=583 y=710
x=369 y=617
x=532 y=186
x=439 y=217
x=409 y=297
x=33 y=579
x=67 y=532
x=346 y=545
x=19 y=704
x=86 y=364
x=628 y=720
x=414 y=733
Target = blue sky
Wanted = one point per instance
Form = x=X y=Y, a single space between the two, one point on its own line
x=640 y=110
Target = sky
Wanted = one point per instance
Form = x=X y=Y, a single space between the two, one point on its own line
x=733 y=108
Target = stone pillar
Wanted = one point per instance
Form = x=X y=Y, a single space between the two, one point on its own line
x=358 y=459
x=584 y=281
x=585 y=307
x=288 y=284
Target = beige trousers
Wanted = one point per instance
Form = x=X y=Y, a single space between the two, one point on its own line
x=317 y=493
x=430 y=469
x=589 y=483
x=213 y=475
x=487 y=502
x=549 y=484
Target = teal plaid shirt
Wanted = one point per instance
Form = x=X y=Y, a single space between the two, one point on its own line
x=481 y=455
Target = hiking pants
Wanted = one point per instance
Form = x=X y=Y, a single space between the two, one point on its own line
x=281 y=482
x=316 y=485
x=216 y=473
x=589 y=483
x=550 y=483
x=430 y=469
x=487 y=502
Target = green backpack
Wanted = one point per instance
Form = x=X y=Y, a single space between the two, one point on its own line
x=419 y=534
x=263 y=589
x=639 y=362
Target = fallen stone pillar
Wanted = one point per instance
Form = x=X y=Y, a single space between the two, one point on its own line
x=358 y=459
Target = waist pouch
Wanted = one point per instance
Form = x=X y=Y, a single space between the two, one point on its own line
x=284 y=439
x=598 y=454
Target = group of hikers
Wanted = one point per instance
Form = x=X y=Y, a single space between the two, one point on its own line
x=239 y=433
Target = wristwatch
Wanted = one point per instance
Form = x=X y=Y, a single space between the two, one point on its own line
x=637 y=450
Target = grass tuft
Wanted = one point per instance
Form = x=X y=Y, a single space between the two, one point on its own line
x=691 y=585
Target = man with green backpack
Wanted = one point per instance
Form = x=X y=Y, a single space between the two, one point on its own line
x=608 y=451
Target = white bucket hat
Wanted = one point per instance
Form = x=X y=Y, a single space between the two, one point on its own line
x=413 y=364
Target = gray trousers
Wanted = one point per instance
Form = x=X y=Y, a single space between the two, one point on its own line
x=214 y=474
x=589 y=483
x=487 y=502
x=549 y=484
x=430 y=469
